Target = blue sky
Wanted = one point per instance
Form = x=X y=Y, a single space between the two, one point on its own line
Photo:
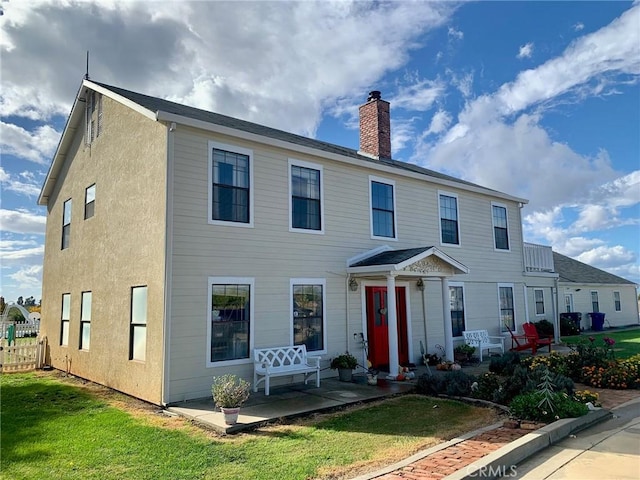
x=537 y=99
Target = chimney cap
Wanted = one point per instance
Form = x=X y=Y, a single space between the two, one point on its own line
x=374 y=95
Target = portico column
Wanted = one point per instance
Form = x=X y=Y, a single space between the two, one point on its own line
x=392 y=325
x=446 y=310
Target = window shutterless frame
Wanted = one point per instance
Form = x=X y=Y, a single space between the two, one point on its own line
x=138 y=324
x=499 y=214
x=66 y=224
x=458 y=308
x=449 y=219
x=617 y=304
x=506 y=307
x=538 y=294
x=65 y=318
x=308 y=313
x=85 y=321
x=89 y=201
x=382 y=208
x=306 y=198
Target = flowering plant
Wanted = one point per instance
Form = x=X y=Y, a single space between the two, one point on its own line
x=230 y=391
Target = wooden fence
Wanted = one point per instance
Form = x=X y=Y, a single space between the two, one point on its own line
x=24 y=354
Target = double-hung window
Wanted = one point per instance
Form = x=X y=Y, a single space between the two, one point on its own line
x=456 y=299
x=138 y=332
x=230 y=319
x=85 y=321
x=507 y=311
x=595 y=304
x=617 y=304
x=539 y=299
x=500 y=226
x=89 y=201
x=230 y=185
x=449 y=228
x=308 y=313
x=305 y=183
x=66 y=224
x=383 y=217
x=65 y=318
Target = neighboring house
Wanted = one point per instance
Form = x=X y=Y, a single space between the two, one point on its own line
x=178 y=240
x=587 y=289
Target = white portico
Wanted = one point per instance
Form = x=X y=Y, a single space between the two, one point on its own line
x=413 y=264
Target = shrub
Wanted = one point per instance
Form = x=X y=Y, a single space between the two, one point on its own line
x=567 y=326
x=528 y=407
x=455 y=383
x=544 y=328
x=584 y=396
x=504 y=364
x=230 y=391
x=346 y=361
x=561 y=382
x=487 y=385
x=518 y=382
x=555 y=362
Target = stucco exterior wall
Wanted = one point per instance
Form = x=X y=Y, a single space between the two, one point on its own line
x=121 y=246
x=271 y=254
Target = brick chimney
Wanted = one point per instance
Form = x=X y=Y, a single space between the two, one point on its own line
x=375 y=127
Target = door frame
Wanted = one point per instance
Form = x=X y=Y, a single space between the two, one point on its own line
x=363 y=311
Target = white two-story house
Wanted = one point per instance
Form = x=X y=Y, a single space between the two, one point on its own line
x=178 y=240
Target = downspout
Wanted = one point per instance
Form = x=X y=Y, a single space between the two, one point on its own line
x=168 y=267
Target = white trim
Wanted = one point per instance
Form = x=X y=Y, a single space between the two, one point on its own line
x=613 y=293
x=400 y=266
x=464 y=304
x=513 y=297
x=310 y=166
x=493 y=226
x=252 y=305
x=392 y=184
x=114 y=96
x=310 y=281
x=535 y=303
x=233 y=149
x=453 y=195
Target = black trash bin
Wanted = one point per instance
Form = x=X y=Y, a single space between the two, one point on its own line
x=597 y=321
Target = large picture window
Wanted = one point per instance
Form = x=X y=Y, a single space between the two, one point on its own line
x=539 y=298
x=306 y=196
x=500 y=227
x=231 y=184
x=138 y=338
x=456 y=297
x=231 y=312
x=308 y=307
x=66 y=224
x=85 y=321
x=383 y=221
x=65 y=318
x=507 y=312
x=449 y=232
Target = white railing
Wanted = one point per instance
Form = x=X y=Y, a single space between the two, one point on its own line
x=538 y=258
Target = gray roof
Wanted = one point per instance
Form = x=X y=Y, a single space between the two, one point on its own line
x=390 y=257
x=155 y=104
x=571 y=270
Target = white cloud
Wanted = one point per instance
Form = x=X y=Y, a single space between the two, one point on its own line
x=31 y=188
x=22 y=256
x=419 y=96
x=27 y=277
x=578 y=26
x=37 y=146
x=22 y=221
x=439 y=122
x=455 y=34
x=607 y=257
x=525 y=51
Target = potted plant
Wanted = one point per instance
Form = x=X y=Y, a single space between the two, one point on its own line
x=464 y=352
x=229 y=393
x=345 y=364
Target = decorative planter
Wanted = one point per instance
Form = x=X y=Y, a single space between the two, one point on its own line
x=345 y=374
x=372 y=379
x=230 y=415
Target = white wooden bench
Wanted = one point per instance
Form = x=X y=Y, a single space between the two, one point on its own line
x=282 y=361
x=482 y=341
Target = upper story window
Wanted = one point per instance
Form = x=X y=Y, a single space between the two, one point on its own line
x=539 y=298
x=66 y=224
x=65 y=318
x=230 y=319
x=85 y=321
x=383 y=218
x=231 y=185
x=500 y=227
x=305 y=183
x=617 y=304
x=449 y=228
x=93 y=116
x=89 y=201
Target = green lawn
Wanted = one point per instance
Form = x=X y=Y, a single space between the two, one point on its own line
x=627 y=341
x=53 y=427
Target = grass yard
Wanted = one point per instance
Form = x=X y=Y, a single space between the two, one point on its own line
x=627 y=341
x=58 y=427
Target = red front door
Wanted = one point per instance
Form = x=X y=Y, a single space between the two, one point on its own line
x=378 y=327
